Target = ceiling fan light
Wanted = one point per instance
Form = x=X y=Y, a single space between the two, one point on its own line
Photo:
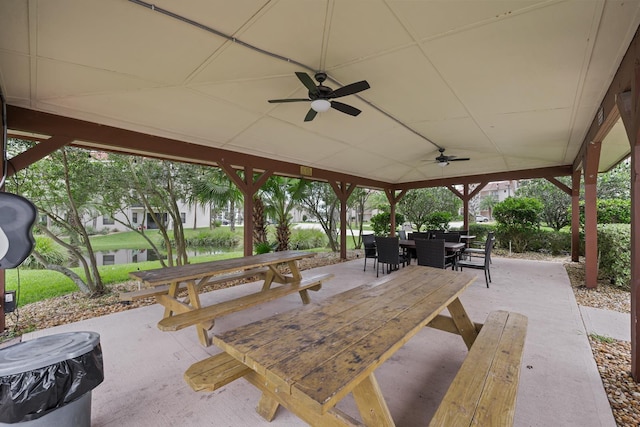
x=320 y=105
x=443 y=164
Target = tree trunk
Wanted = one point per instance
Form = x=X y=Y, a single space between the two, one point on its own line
x=259 y=230
x=67 y=272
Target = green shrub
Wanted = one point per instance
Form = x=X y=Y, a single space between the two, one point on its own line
x=614 y=247
x=307 y=238
x=438 y=221
x=381 y=223
x=518 y=221
x=480 y=230
x=91 y=230
x=550 y=241
x=218 y=237
x=50 y=251
x=610 y=211
x=262 y=248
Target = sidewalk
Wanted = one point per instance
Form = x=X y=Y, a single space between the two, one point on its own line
x=607 y=323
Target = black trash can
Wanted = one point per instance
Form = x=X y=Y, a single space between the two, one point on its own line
x=48 y=381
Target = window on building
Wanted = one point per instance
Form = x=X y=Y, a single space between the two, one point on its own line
x=134 y=217
x=107 y=220
x=183 y=217
x=108 y=259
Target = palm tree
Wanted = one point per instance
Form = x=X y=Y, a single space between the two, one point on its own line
x=215 y=187
x=281 y=195
x=487 y=203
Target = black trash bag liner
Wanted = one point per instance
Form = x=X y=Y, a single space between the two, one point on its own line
x=30 y=395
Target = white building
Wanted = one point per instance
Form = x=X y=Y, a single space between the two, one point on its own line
x=499 y=190
x=191 y=216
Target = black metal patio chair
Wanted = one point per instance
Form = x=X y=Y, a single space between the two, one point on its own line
x=485 y=263
x=370 y=251
x=432 y=253
x=389 y=254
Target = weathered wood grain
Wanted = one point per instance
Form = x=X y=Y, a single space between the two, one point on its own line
x=483 y=393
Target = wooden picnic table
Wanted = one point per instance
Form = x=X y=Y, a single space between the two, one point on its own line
x=189 y=311
x=310 y=358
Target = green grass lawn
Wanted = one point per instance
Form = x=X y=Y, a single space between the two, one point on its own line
x=36 y=285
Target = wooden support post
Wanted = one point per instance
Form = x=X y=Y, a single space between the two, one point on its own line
x=635 y=259
x=465 y=207
x=628 y=104
x=592 y=159
x=466 y=196
x=575 y=216
x=393 y=201
x=249 y=186
x=343 y=191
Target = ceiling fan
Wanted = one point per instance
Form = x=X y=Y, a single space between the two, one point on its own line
x=321 y=96
x=443 y=160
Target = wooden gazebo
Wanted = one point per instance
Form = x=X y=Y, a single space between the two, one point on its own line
x=525 y=90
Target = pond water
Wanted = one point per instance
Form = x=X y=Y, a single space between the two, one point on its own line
x=129 y=256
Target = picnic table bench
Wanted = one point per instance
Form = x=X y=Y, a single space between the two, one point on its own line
x=310 y=358
x=484 y=391
x=166 y=283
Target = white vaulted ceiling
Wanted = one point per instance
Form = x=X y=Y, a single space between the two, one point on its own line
x=511 y=84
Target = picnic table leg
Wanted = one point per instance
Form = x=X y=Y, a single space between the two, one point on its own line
x=273 y=275
x=173 y=293
x=296 y=276
x=268 y=279
x=267 y=407
x=465 y=326
x=371 y=404
x=295 y=272
x=194 y=302
x=271 y=398
x=304 y=295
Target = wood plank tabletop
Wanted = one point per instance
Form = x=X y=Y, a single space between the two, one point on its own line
x=320 y=352
x=196 y=271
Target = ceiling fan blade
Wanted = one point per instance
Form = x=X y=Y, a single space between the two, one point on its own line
x=307 y=81
x=457 y=159
x=347 y=109
x=350 y=89
x=274 y=101
x=310 y=115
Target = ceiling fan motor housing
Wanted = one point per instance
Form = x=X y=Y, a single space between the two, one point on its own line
x=320 y=76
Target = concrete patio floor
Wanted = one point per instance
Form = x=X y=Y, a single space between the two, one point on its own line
x=559 y=382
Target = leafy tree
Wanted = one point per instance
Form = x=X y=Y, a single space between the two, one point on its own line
x=117 y=197
x=418 y=204
x=556 y=204
x=381 y=223
x=615 y=184
x=439 y=221
x=378 y=200
x=518 y=219
x=157 y=186
x=357 y=201
x=321 y=202
x=64 y=187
